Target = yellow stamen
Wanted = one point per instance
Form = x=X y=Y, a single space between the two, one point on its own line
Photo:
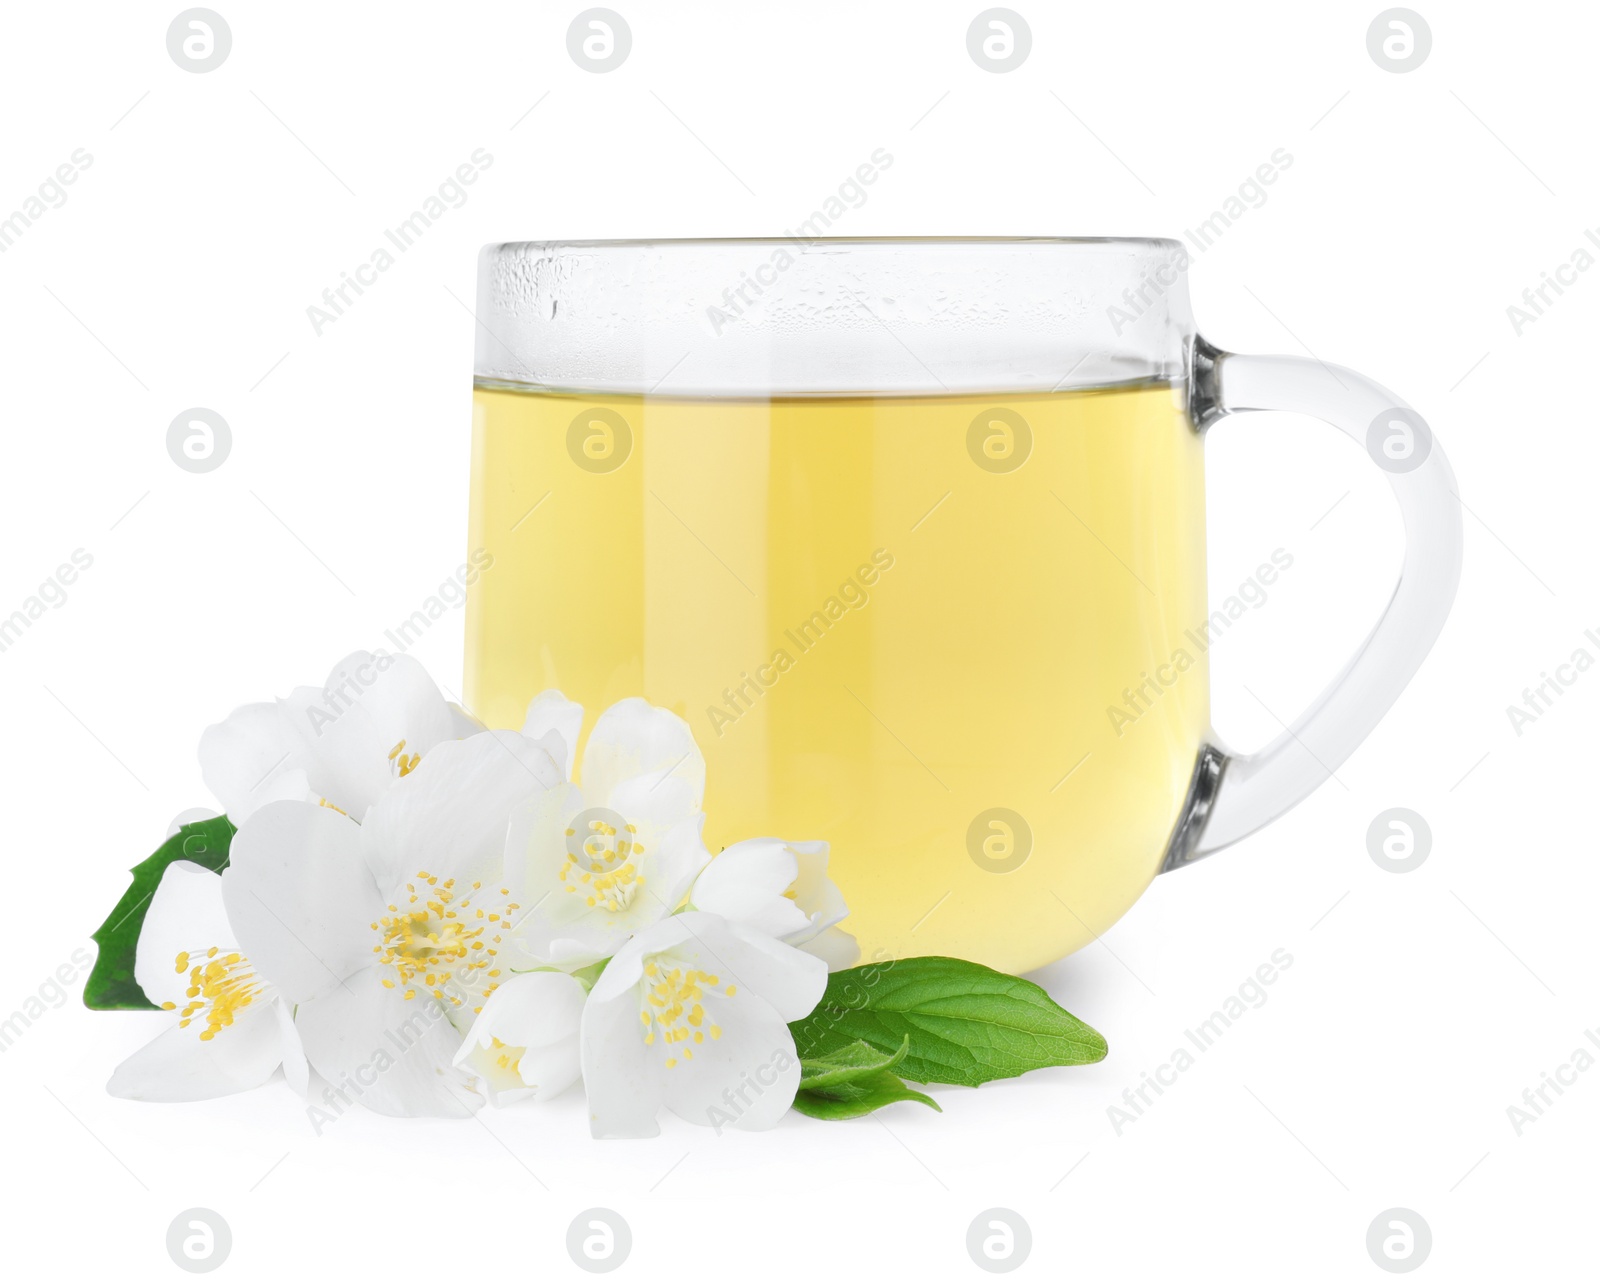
x=430 y=940
x=218 y=990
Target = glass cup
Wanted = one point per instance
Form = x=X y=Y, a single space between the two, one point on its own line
x=912 y=534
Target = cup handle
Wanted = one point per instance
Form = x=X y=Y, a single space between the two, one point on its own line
x=1236 y=794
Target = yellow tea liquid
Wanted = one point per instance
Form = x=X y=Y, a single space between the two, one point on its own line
x=953 y=636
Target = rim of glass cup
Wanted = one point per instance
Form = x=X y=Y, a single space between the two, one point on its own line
x=737 y=317
x=811 y=241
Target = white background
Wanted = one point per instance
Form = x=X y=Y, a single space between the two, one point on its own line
x=1418 y=207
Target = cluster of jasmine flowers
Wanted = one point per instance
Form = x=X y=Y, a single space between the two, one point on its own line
x=451 y=916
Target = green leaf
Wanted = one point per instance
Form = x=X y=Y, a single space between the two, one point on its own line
x=965 y=1023
x=857 y=1060
x=111 y=986
x=587 y=975
x=854 y=1080
x=857 y=1097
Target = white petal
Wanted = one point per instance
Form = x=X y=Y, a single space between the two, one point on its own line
x=670 y=827
x=463 y=723
x=791 y=981
x=551 y=711
x=185 y=916
x=300 y=897
x=814 y=890
x=760 y=985
x=369 y=707
x=450 y=815
x=255 y=756
x=548 y=1071
x=536 y=848
x=836 y=947
x=621 y=1075
x=537 y=1016
x=295 y=1067
x=746 y=883
x=747 y=1078
x=681 y=855
x=534 y=1009
x=636 y=738
x=178 y=1066
x=391 y=1055
x=624 y=972
x=561 y=926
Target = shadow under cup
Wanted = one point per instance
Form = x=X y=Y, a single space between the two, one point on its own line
x=910 y=535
